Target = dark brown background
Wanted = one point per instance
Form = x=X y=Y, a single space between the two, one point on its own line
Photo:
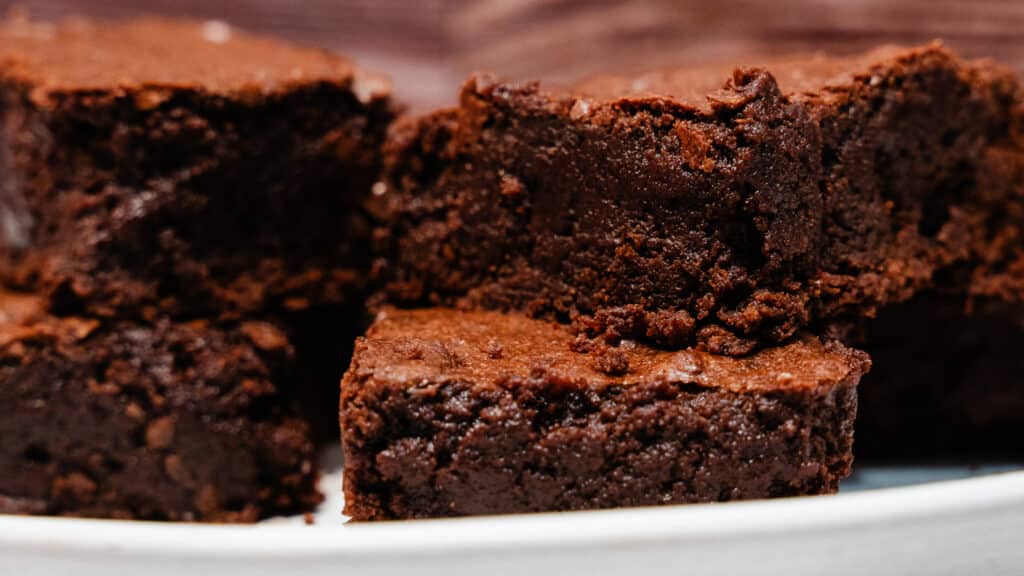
x=429 y=46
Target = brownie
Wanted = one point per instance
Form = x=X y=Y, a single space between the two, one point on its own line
x=448 y=413
x=946 y=383
x=729 y=209
x=166 y=167
x=160 y=421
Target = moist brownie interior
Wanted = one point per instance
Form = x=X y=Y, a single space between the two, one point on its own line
x=452 y=413
x=729 y=210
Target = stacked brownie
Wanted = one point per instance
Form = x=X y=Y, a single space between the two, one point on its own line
x=946 y=383
x=730 y=210
x=183 y=248
x=703 y=238
x=632 y=291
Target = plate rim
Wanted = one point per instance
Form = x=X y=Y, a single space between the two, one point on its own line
x=502 y=534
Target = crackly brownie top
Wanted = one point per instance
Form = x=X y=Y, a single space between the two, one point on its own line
x=799 y=76
x=405 y=347
x=83 y=55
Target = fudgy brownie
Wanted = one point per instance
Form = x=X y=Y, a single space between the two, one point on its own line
x=183 y=168
x=946 y=381
x=450 y=413
x=160 y=421
x=698 y=206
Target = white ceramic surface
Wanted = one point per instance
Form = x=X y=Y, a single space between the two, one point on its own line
x=966 y=526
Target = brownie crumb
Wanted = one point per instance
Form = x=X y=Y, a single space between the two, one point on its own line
x=512 y=188
x=495 y=351
x=160 y=433
x=265 y=335
x=610 y=361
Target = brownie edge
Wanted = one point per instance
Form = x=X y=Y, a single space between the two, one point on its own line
x=449 y=413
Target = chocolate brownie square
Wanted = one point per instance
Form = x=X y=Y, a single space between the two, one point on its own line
x=726 y=208
x=159 y=166
x=155 y=421
x=448 y=413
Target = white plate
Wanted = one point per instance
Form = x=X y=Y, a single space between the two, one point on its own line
x=946 y=527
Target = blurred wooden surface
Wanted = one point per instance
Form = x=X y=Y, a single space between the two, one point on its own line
x=429 y=46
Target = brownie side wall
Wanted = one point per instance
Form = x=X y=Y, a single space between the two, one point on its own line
x=169 y=422
x=531 y=209
x=947 y=370
x=191 y=202
x=450 y=448
x=732 y=228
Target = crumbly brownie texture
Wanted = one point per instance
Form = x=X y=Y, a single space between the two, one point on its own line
x=171 y=167
x=946 y=381
x=163 y=421
x=691 y=207
x=449 y=413
x=998 y=274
